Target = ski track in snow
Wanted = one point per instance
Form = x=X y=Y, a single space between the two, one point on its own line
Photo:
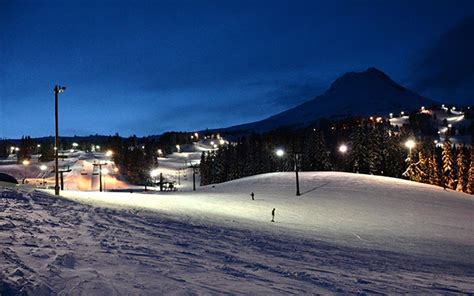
x=55 y=246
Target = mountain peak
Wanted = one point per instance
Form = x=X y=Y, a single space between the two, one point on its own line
x=370 y=78
x=371 y=92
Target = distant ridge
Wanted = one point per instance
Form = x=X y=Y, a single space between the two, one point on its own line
x=354 y=94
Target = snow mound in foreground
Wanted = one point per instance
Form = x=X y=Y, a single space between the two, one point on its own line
x=213 y=241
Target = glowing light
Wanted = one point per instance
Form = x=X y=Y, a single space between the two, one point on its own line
x=215 y=146
x=391 y=115
x=280 y=152
x=97 y=147
x=343 y=148
x=196 y=135
x=154 y=173
x=43 y=168
x=212 y=143
x=179 y=148
x=105 y=171
x=116 y=170
x=26 y=162
x=221 y=141
x=72 y=150
x=109 y=153
x=75 y=145
x=39 y=145
x=402 y=113
x=160 y=152
x=450 y=125
x=17 y=149
x=410 y=144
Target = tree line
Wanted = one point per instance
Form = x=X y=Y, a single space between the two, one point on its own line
x=374 y=147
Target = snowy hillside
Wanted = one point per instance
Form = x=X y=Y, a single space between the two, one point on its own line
x=347 y=233
x=366 y=93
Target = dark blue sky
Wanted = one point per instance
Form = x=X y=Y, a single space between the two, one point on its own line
x=145 y=67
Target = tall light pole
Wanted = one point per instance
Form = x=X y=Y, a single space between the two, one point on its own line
x=297 y=157
x=343 y=149
x=43 y=169
x=25 y=163
x=57 y=89
x=410 y=144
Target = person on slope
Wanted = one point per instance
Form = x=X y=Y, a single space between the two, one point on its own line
x=273 y=215
x=252 y=195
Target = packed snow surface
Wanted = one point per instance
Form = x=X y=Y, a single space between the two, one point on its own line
x=346 y=233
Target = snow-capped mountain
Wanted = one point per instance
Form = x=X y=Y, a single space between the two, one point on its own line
x=366 y=93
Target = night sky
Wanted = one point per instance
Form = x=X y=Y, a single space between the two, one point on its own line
x=140 y=67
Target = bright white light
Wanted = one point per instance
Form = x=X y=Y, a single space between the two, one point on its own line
x=105 y=171
x=343 y=148
x=402 y=113
x=154 y=173
x=116 y=169
x=43 y=168
x=435 y=141
x=454 y=108
x=75 y=145
x=450 y=125
x=215 y=146
x=17 y=149
x=109 y=153
x=39 y=145
x=179 y=148
x=221 y=141
x=26 y=162
x=410 y=144
x=72 y=150
x=212 y=143
x=160 y=152
x=196 y=135
x=391 y=115
x=280 y=152
x=97 y=147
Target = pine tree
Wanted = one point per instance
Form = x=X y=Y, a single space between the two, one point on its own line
x=46 y=151
x=417 y=171
x=361 y=154
x=433 y=170
x=470 y=175
x=315 y=153
x=448 y=168
x=461 y=166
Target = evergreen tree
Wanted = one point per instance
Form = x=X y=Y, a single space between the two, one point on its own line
x=461 y=166
x=315 y=153
x=361 y=156
x=433 y=170
x=448 y=168
x=470 y=174
x=26 y=148
x=4 y=149
x=46 y=151
x=417 y=171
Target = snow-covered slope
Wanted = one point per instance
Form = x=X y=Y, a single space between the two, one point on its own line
x=346 y=233
x=366 y=93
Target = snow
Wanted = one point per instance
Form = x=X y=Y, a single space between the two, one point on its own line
x=347 y=233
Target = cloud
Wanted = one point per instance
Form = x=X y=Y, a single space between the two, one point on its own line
x=447 y=68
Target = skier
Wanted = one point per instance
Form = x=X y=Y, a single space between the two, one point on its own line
x=252 y=195
x=273 y=215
